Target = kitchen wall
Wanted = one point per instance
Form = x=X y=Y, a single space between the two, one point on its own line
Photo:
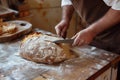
x=45 y=14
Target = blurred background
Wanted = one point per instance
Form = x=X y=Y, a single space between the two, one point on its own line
x=43 y=14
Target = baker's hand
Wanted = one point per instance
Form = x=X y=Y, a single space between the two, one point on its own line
x=83 y=37
x=61 y=28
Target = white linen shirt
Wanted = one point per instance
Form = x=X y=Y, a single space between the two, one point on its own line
x=66 y=2
x=115 y=4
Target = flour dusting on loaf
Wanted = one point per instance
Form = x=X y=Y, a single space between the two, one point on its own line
x=39 y=48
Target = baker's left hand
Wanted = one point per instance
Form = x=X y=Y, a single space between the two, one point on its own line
x=83 y=37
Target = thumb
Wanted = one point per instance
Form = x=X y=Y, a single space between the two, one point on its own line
x=74 y=36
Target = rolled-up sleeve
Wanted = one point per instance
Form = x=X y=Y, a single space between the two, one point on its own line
x=115 y=4
x=66 y=2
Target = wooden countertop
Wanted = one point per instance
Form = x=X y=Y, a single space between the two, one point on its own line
x=90 y=64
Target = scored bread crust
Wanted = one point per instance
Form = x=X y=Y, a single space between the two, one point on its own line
x=39 y=48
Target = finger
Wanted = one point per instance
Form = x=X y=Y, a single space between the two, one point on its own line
x=64 y=32
x=74 y=36
x=58 y=31
x=76 y=41
x=81 y=42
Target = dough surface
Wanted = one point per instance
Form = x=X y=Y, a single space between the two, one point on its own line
x=39 y=48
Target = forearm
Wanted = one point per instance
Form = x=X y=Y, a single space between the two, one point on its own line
x=111 y=18
x=67 y=12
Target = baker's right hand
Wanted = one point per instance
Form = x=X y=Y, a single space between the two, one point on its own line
x=61 y=28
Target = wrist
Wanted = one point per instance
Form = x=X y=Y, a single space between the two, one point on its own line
x=95 y=28
x=91 y=31
x=66 y=19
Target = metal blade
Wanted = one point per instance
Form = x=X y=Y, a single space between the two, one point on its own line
x=64 y=41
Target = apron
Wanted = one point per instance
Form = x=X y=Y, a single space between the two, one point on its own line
x=92 y=10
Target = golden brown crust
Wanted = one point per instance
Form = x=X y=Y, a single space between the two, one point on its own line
x=30 y=36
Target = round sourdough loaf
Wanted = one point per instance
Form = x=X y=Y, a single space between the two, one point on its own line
x=39 y=48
